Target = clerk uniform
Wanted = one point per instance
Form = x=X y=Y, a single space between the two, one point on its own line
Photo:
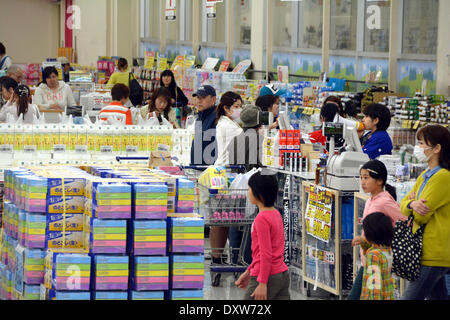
x=377 y=144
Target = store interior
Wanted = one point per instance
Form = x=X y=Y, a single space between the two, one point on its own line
x=100 y=196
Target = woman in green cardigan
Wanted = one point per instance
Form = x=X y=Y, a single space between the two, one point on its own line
x=429 y=201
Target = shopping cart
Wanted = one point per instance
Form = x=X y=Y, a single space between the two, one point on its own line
x=227 y=208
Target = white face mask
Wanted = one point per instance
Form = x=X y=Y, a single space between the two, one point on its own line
x=236 y=114
x=419 y=153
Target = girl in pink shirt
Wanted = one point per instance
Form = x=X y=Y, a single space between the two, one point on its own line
x=373 y=180
x=267 y=278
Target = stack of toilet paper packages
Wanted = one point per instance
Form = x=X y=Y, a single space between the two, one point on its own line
x=105 y=236
x=187 y=271
x=150 y=237
x=67 y=271
x=112 y=201
x=186 y=235
x=150 y=201
x=185 y=198
x=151 y=273
x=111 y=273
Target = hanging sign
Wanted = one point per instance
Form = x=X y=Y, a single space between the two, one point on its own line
x=283 y=74
x=171 y=10
x=318 y=213
x=149 y=59
x=224 y=66
x=242 y=66
x=211 y=9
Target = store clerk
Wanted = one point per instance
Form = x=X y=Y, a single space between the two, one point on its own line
x=53 y=94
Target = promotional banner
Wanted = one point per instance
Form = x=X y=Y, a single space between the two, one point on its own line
x=318 y=214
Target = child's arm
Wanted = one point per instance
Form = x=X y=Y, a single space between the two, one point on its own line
x=262 y=227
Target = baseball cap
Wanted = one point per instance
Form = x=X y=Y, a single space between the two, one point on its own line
x=271 y=90
x=249 y=116
x=205 y=91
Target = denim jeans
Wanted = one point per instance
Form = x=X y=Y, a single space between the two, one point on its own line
x=430 y=285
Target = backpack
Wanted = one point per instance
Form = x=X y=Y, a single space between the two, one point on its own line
x=136 y=91
x=407 y=249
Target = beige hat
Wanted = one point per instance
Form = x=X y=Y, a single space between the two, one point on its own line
x=63 y=60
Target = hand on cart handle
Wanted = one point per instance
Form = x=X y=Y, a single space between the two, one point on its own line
x=242 y=282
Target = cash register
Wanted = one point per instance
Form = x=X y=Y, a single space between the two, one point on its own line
x=343 y=166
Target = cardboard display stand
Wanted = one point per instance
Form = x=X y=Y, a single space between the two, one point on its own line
x=321 y=237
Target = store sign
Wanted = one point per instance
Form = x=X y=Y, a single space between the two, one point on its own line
x=171 y=10
x=210 y=7
x=149 y=59
x=318 y=213
x=286 y=218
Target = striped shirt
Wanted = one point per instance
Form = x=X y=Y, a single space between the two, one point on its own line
x=117 y=111
x=378 y=283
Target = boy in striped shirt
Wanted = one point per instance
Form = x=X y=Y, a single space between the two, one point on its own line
x=378 y=283
x=117 y=109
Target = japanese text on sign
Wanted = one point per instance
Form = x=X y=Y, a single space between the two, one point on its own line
x=318 y=214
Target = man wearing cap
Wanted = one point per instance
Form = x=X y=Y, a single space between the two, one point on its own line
x=250 y=141
x=65 y=64
x=203 y=150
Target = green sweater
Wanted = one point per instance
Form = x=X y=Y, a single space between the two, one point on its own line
x=436 y=238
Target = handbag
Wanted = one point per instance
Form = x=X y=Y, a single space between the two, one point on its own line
x=136 y=91
x=407 y=249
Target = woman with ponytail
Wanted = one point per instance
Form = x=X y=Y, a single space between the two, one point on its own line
x=21 y=106
x=383 y=199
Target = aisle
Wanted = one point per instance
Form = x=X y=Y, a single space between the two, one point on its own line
x=228 y=290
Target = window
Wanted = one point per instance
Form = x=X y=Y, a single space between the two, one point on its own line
x=420 y=26
x=242 y=21
x=343 y=24
x=150 y=22
x=310 y=24
x=376 y=25
x=215 y=28
x=283 y=16
x=173 y=26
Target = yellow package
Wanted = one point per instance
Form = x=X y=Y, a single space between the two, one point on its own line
x=91 y=139
x=125 y=138
x=73 y=138
x=108 y=141
x=18 y=137
x=151 y=142
x=64 y=135
x=134 y=137
x=117 y=139
x=81 y=136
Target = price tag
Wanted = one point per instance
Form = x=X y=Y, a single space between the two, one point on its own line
x=6 y=148
x=131 y=149
x=294 y=109
x=29 y=149
x=81 y=149
x=106 y=149
x=405 y=124
x=59 y=148
x=416 y=125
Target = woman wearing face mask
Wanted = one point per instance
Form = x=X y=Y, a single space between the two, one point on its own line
x=429 y=202
x=228 y=112
x=161 y=104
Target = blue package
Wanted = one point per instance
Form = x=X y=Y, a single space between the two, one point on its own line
x=101 y=259
x=147 y=295
x=111 y=295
